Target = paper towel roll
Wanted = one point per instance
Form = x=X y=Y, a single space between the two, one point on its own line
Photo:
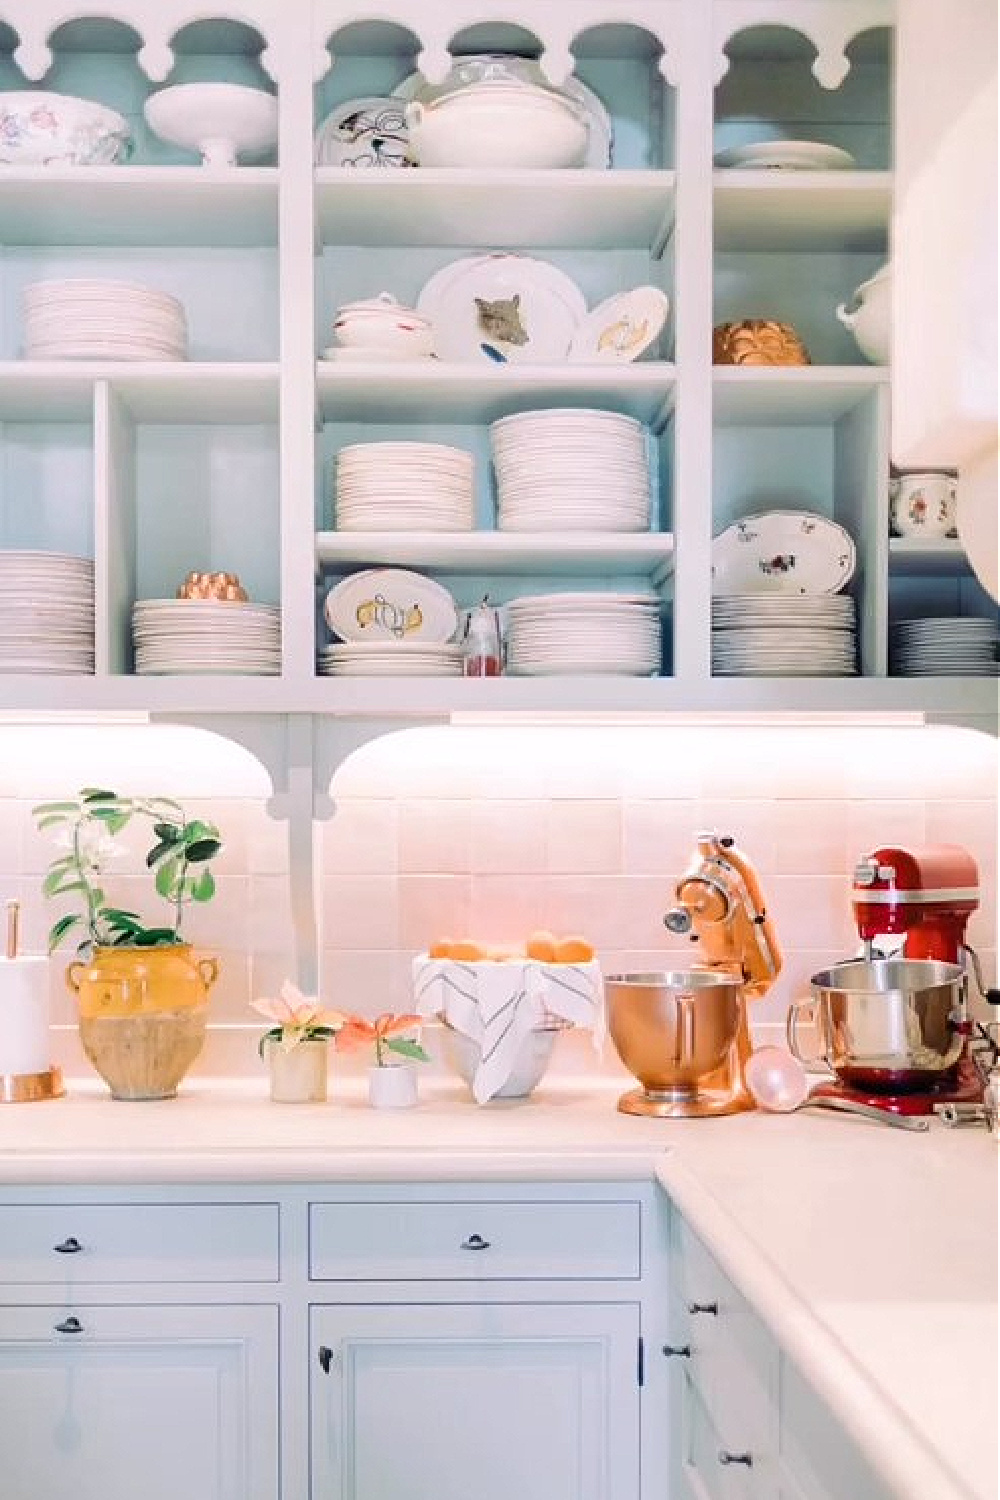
x=24 y=1015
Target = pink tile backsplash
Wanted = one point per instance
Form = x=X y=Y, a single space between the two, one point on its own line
x=465 y=831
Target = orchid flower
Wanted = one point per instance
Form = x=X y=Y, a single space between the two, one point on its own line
x=387 y=1032
x=297 y=1018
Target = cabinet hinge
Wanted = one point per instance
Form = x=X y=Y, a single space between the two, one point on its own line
x=640 y=1361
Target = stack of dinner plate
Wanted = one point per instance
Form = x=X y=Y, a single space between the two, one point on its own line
x=584 y=632
x=46 y=612
x=571 y=470
x=101 y=319
x=390 y=659
x=206 y=636
x=401 y=486
x=946 y=648
x=783 y=635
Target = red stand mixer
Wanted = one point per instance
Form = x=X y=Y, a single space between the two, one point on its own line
x=896 y=1031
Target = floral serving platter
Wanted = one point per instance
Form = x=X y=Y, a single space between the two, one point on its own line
x=782 y=552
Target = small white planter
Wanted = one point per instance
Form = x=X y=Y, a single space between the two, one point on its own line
x=393 y=1086
x=298 y=1074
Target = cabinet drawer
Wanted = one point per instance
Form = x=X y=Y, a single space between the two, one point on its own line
x=733 y=1361
x=709 y=1469
x=461 y=1241
x=117 y=1242
x=819 y=1460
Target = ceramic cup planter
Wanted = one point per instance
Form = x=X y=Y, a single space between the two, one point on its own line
x=392 y=1086
x=298 y=1074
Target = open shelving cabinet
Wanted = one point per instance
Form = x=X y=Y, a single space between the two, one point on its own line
x=223 y=462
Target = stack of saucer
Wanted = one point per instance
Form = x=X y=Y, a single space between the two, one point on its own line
x=101 y=319
x=46 y=613
x=571 y=470
x=403 y=487
x=584 y=632
x=946 y=648
x=783 y=635
x=204 y=636
x=391 y=659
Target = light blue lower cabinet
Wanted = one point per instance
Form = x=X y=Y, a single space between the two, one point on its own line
x=118 y=1402
x=512 y=1401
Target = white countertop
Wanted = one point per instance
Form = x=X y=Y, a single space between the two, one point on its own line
x=871 y=1253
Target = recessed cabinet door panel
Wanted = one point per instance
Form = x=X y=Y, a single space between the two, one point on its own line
x=495 y=1402
x=160 y=1403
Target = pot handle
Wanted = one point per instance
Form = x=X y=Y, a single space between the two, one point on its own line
x=847 y=318
x=413 y=114
x=792 y=1033
x=208 y=969
x=74 y=975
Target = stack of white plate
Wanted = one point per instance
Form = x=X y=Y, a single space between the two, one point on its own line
x=585 y=632
x=101 y=319
x=783 y=635
x=403 y=487
x=571 y=470
x=206 y=636
x=390 y=659
x=46 y=613
x=946 y=648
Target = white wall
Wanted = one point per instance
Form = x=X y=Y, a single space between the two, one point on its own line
x=491 y=832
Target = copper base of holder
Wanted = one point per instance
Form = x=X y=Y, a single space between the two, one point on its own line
x=676 y=1104
x=25 y=1088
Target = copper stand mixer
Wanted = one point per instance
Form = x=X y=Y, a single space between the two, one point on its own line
x=896 y=1031
x=684 y=1033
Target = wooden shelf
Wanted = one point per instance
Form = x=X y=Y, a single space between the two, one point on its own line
x=462 y=206
x=761 y=210
x=912 y=557
x=189 y=392
x=801 y=395
x=959 y=699
x=428 y=391
x=504 y=553
x=122 y=205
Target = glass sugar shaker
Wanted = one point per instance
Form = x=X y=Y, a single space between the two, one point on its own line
x=483 y=651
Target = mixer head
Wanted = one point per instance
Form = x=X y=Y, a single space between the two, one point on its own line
x=719 y=901
x=927 y=893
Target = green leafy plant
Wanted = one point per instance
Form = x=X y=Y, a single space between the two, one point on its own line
x=85 y=830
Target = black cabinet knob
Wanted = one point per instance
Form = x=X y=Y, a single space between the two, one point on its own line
x=475 y=1242
x=681 y=1351
x=711 y=1308
x=69 y=1325
x=69 y=1246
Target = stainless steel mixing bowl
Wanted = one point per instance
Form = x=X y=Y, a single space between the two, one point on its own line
x=672 y=1029
x=886 y=1025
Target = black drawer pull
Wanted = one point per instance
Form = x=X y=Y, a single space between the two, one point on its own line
x=704 y=1307
x=475 y=1242
x=325 y=1358
x=735 y=1458
x=69 y=1325
x=69 y=1246
x=682 y=1351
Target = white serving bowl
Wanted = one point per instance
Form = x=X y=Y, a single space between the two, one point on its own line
x=221 y=120
x=463 y=1054
x=382 y=324
x=497 y=124
x=39 y=128
x=869 y=319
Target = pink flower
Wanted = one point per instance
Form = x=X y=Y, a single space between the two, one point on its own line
x=297 y=1017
